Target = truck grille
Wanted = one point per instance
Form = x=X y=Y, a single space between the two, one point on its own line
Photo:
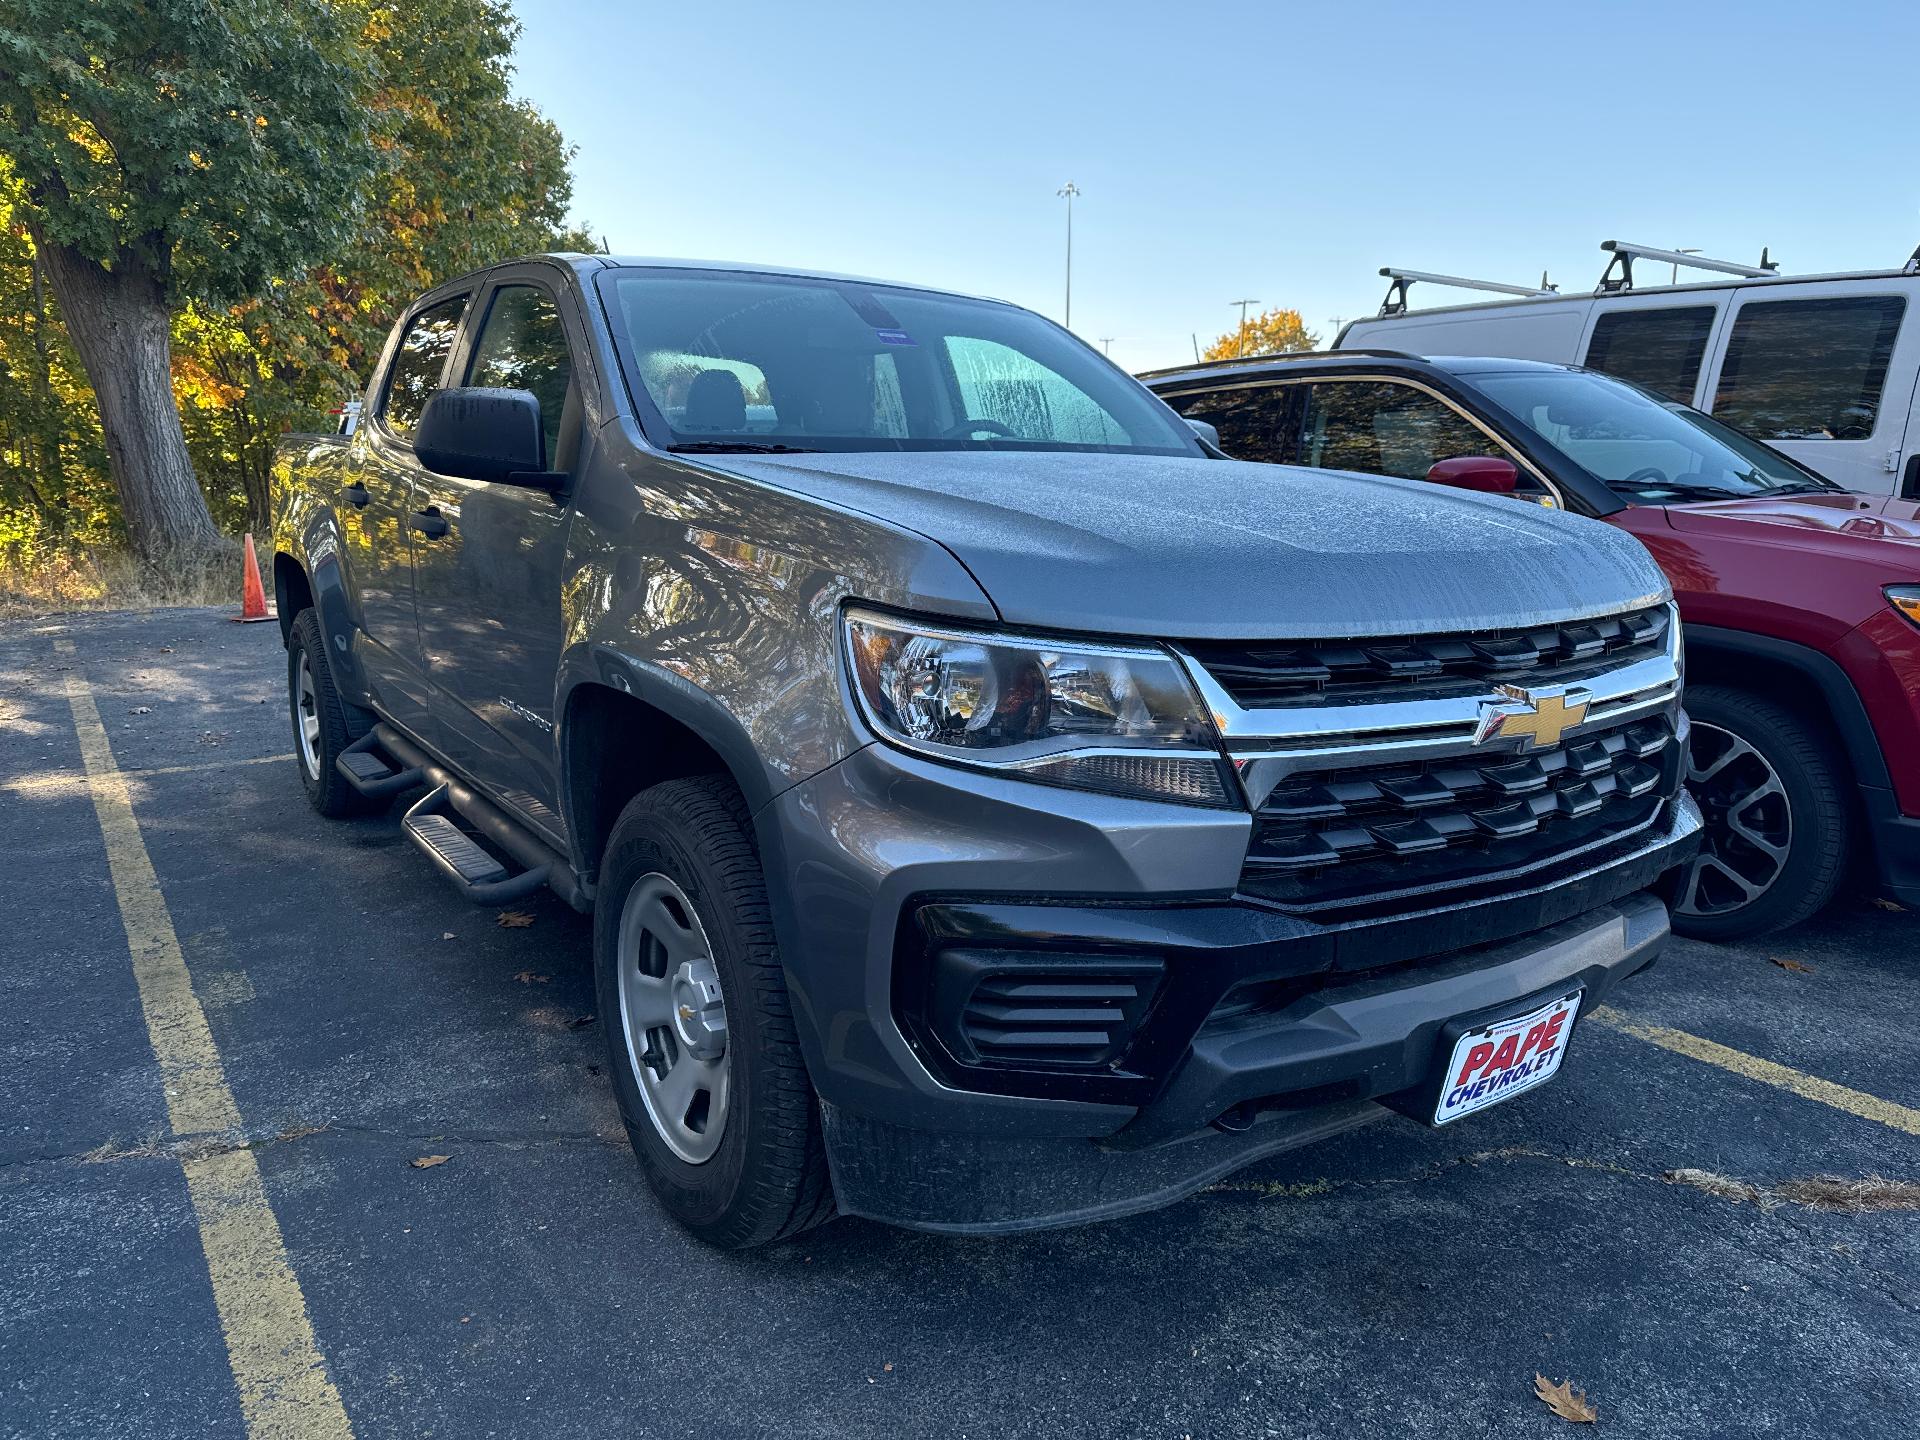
x=1278 y=674
x=1362 y=834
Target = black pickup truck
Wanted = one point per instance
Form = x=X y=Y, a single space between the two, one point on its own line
x=997 y=808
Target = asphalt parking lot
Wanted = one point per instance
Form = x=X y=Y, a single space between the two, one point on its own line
x=1397 y=1281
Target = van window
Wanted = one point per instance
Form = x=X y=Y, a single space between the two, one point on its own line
x=1252 y=422
x=1660 y=349
x=1809 y=369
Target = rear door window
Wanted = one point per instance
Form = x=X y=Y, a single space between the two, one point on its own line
x=1809 y=369
x=1252 y=422
x=420 y=363
x=1661 y=349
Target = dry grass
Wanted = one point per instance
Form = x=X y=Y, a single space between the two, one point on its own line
x=1820 y=1192
x=52 y=583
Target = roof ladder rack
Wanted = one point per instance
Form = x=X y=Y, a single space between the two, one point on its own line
x=1396 y=301
x=1625 y=252
x=1913 y=262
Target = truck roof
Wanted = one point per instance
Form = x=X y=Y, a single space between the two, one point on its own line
x=747 y=267
x=1309 y=362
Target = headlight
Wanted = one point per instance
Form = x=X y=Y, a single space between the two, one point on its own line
x=1119 y=719
x=1905 y=599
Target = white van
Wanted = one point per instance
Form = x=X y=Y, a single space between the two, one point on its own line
x=1823 y=367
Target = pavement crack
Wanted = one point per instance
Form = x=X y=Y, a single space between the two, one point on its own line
x=158 y=1146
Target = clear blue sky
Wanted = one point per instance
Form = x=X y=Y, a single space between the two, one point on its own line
x=1278 y=151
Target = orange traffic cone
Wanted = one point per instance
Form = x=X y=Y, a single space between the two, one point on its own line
x=253 y=595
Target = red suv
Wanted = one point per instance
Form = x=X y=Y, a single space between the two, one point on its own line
x=1801 y=601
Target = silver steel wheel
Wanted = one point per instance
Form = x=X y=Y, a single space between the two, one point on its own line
x=1749 y=824
x=674 y=1017
x=306 y=718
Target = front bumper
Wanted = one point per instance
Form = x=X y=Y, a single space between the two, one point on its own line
x=1291 y=1026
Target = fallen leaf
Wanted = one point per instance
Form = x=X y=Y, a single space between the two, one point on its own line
x=1565 y=1401
x=141 y=710
x=579 y=1022
x=1886 y=904
x=427 y=1162
x=166 y=649
x=466 y=1319
x=446 y=934
x=513 y=919
x=527 y=977
x=888 y=1367
x=1793 y=965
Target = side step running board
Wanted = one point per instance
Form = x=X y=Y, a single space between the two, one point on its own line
x=366 y=770
x=475 y=873
x=473 y=868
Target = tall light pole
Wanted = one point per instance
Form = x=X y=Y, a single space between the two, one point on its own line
x=1241 y=348
x=1106 y=344
x=1067 y=192
x=1674 y=279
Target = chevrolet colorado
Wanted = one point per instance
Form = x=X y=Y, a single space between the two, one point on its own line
x=997 y=809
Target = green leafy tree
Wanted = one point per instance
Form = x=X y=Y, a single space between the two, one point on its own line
x=175 y=151
x=1275 y=332
x=469 y=176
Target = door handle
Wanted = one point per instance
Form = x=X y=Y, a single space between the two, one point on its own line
x=429 y=522
x=356 y=495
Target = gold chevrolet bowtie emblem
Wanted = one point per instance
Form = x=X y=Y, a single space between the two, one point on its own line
x=1523 y=715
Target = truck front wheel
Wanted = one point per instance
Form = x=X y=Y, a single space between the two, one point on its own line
x=701 y=1043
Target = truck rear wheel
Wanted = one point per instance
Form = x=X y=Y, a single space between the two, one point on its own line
x=320 y=730
x=700 y=1035
x=1778 y=825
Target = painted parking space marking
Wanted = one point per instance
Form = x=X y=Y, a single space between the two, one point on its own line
x=285 y=1390
x=1766 y=1072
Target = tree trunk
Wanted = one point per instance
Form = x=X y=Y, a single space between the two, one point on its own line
x=119 y=321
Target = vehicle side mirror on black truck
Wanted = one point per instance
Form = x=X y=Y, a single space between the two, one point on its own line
x=479 y=433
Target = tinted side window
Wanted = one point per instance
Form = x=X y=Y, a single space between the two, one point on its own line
x=1660 y=349
x=1252 y=422
x=523 y=346
x=1809 y=369
x=1385 y=429
x=420 y=362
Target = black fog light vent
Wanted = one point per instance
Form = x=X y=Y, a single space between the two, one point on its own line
x=1042 y=1010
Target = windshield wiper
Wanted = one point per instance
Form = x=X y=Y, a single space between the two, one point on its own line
x=737 y=447
x=1801 y=487
x=1676 y=488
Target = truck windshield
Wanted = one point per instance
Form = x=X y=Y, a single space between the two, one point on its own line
x=1645 y=448
x=736 y=361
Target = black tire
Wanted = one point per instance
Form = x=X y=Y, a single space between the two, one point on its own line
x=327 y=789
x=1814 y=802
x=767 y=1180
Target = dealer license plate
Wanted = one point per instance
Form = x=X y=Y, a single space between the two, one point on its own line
x=1507 y=1058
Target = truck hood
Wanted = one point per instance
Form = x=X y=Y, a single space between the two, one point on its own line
x=1220 y=549
x=1866 y=517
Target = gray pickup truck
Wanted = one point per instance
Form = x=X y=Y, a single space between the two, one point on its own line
x=997 y=809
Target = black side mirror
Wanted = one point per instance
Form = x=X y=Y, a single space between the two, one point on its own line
x=477 y=433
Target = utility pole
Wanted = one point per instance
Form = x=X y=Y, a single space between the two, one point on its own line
x=1241 y=348
x=1106 y=344
x=1067 y=192
x=1674 y=279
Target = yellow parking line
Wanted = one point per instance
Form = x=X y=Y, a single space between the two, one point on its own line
x=285 y=1390
x=1767 y=1072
